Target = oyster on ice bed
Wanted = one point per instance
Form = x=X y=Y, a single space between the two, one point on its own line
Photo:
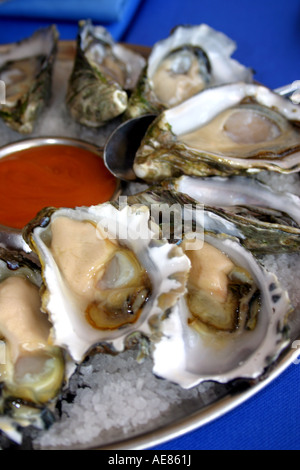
x=103 y=72
x=232 y=322
x=106 y=274
x=224 y=130
x=189 y=60
x=32 y=370
x=26 y=69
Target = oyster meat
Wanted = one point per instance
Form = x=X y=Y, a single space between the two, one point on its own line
x=106 y=275
x=26 y=69
x=103 y=72
x=190 y=59
x=224 y=130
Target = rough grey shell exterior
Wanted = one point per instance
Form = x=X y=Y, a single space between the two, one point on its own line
x=34 y=58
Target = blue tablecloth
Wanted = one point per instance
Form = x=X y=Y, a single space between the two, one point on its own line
x=267 y=33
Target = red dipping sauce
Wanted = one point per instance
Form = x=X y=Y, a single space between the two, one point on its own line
x=55 y=175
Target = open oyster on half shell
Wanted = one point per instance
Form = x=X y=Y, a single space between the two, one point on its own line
x=106 y=274
x=224 y=130
x=190 y=59
x=26 y=70
x=32 y=369
x=232 y=322
x=103 y=72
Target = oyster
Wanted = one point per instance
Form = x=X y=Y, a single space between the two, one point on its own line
x=103 y=71
x=26 y=69
x=236 y=191
x=106 y=274
x=260 y=229
x=230 y=325
x=189 y=60
x=32 y=370
x=225 y=130
x=269 y=220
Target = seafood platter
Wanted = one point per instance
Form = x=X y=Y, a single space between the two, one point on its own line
x=114 y=331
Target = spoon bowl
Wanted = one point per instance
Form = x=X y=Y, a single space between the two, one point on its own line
x=121 y=147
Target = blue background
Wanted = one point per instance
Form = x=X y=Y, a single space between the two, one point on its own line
x=267 y=32
x=268 y=39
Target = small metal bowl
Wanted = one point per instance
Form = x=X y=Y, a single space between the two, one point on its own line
x=12 y=238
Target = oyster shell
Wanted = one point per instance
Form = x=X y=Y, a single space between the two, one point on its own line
x=189 y=60
x=32 y=370
x=225 y=130
x=103 y=71
x=106 y=274
x=26 y=69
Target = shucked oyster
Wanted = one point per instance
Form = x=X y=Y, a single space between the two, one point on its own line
x=232 y=322
x=32 y=370
x=26 y=69
x=189 y=60
x=103 y=71
x=106 y=274
x=224 y=130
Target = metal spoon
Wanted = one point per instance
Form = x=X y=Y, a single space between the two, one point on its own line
x=121 y=147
